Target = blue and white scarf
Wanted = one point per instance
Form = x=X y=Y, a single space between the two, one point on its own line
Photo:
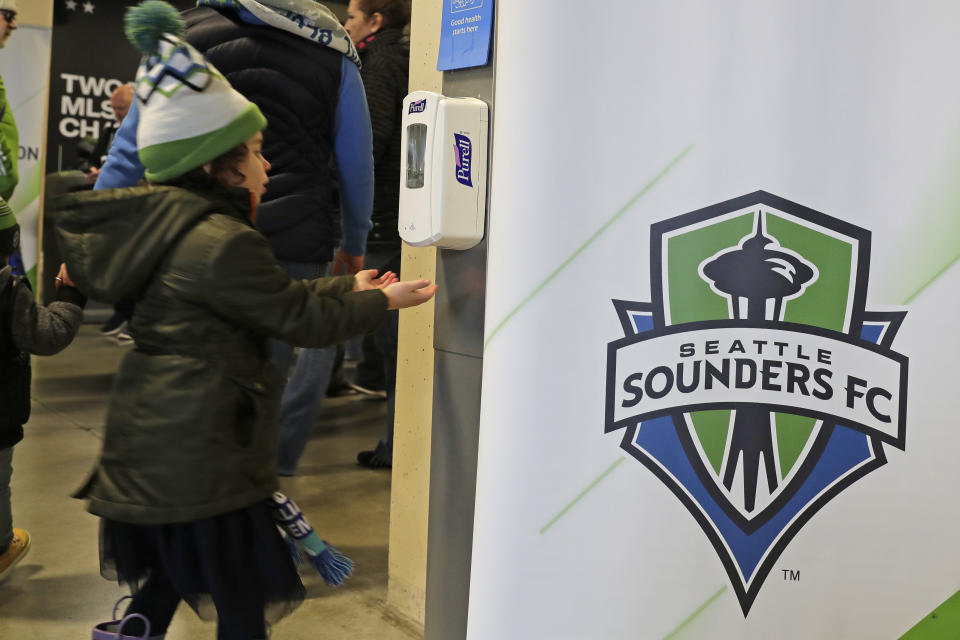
x=303 y=18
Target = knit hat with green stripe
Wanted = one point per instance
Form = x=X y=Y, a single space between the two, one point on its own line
x=9 y=230
x=189 y=113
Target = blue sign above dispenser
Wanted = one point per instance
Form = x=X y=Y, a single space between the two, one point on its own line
x=465 y=34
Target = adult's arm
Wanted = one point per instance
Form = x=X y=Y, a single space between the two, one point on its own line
x=353 y=147
x=122 y=167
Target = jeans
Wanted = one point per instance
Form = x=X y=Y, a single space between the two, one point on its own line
x=386 y=341
x=306 y=386
x=6 y=514
x=370 y=366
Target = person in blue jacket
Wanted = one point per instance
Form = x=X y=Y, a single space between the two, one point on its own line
x=294 y=60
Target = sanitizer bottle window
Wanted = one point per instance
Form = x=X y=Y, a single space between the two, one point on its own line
x=416 y=150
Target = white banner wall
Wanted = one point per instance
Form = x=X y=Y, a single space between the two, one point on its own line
x=718 y=376
x=25 y=68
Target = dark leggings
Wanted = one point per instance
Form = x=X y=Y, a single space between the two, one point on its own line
x=157 y=600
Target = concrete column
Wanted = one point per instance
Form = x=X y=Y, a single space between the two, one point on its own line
x=406 y=590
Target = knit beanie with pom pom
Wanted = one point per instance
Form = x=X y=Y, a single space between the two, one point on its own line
x=189 y=113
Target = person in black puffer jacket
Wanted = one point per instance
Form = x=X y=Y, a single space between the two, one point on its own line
x=376 y=27
x=293 y=59
x=385 y=53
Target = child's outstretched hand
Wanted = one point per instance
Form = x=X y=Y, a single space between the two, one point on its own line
x=365 y=280
x=408 y=293
x=386 y=280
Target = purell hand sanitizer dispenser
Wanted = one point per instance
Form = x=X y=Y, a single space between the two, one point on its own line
x=443 y=172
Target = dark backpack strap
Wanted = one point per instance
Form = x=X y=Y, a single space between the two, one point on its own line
x=14 y=363
x=7 y=296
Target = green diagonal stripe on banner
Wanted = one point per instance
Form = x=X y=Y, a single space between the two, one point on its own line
x=554 y=274
x=596 y=234
x=31 y=97
x=950 y=262
x=573 y=502
x=943 y=623
x=32 y=277
x=696 y=612
x=29 y=188
x=931 y=245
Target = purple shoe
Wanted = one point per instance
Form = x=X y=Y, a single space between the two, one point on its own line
x=113 y=630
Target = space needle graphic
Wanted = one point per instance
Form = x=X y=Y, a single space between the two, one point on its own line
x=757 y=277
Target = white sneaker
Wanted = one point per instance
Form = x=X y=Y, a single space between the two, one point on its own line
x=113 y=326
x=372 y=393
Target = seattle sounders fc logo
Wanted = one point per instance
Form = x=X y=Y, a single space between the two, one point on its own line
x=755 y=384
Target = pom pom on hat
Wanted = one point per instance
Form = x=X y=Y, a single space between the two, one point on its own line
x=146 y=23
x=189 y=114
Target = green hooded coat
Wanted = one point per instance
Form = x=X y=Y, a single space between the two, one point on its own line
x=9 y=146
x=192 y=425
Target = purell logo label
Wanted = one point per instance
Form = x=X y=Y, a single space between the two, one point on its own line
x=462 y=151
x=418 y=106
x=756 y=384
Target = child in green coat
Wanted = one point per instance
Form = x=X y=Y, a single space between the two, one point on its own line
x=185 y=480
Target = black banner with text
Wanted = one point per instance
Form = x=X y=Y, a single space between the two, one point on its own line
x=91 y=57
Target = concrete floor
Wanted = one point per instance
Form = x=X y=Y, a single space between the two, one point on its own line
x=56 y=593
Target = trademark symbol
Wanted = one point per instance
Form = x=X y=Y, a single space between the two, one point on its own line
x=790 y=575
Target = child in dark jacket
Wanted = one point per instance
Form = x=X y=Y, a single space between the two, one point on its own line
x=25 y=328
x=185 y=482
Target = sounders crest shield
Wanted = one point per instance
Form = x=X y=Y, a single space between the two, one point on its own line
x=755 y=384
